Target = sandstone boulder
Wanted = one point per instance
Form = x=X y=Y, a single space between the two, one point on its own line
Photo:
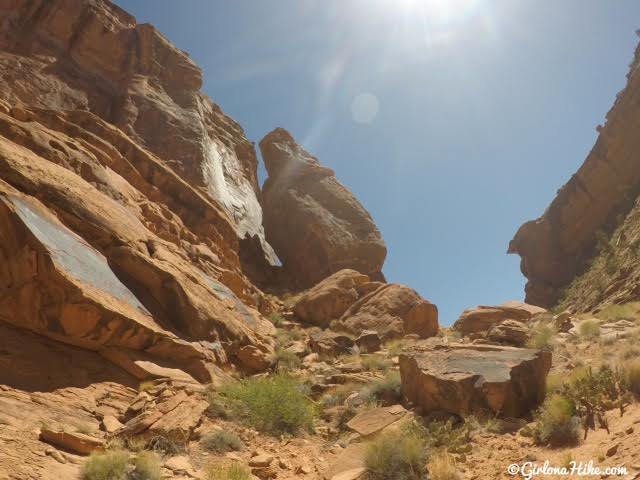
x=369 y=341
x=330 y=343
x=316 y=226
x=393 y=311
x=72 y=441
x=510 y=332
x=168 y=414
x=464 y=379
x=330 y=298
x=563 y=322
x=479 y=320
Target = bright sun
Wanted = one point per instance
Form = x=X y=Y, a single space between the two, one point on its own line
x=440 y=13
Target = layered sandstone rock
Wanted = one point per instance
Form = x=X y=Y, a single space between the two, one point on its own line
x=347 y=298
x=393 y=311
x=128 y=266
x=329 y=299
x=510 y=332
x=481 y=319
x=123 y=195
x=92 y=55
x=557 y=246
x=316 y=226
x=463 y=379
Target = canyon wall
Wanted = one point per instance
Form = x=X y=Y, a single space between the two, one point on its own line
x=562 y=244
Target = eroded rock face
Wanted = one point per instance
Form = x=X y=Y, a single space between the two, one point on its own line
x=393 y=311
x=123 y=195
x=358 y=305
x=316 y=226
x=510 y=332
x=92 y=55
x=481 y=319
x=329 y=299
x=557 y=246
x=463 y=379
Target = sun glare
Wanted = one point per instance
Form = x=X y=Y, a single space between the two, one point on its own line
x=438 y=13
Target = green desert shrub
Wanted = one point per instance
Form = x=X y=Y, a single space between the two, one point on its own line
x=339 y=394
x=228 y=472
x=285 y=336
x=121 y=465
x=277 y=319
x=442 y=467
x=387 y=390
x=285 y=361
x=275 y=405
x=110 y=465
x=373 y=363
x=629 y=352
x=554 y=382
x=146 y=466
x=627 y=311
x=217 y=406
x=146 y=385
x=394 y=347
x=589 y=329
x=221 y=441
x=632 y=376
x=542 y=337
x=446 y=435
x=396 y=455
x=556 y=422
x=168 y=445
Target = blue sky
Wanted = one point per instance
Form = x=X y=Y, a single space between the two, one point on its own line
x=452 y=121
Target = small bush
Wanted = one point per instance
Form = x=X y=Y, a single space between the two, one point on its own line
x=286 y=336
x=396 y=456
x=274 y=405
x=445 y=435
x=217 y=407
x=387 y=390
x=373 y=363
x=339 y=394
x=285 y=361
x=629 y=352
x=345 y=417
x=145 y=467
x=222 y=441
x=589 y=329
x=554 y=382
x=111 y=465
x=442 y=467
x=168 y=446
x=276 y=319
x=494 y=425
x=230 y=472
x=556 y=423
x=632 y=375
x=627 y=311
x=394 y=347
x=146 y=385
x=84 y=428
x=542 y=337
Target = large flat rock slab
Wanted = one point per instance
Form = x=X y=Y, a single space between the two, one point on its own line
x=464 y=379
x=372 y=421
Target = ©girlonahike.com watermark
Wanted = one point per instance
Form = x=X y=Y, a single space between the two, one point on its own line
x=530 y=470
